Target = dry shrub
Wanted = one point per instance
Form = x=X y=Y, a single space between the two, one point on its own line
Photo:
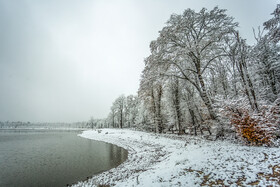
x=255 y=128
x=252 y=130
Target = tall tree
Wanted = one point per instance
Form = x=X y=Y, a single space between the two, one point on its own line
x=266 y=59
x=119 y=105
x=132 y=104
x=174 y=94
x=273 y=25
x=151 y=91
x=191 y=43
x=240 y=56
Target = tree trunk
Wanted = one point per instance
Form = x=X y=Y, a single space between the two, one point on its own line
x=177 y=106
x=158 y=110
x=193 y=121
x=205 y=98
x=244 y=82
x=234 y=78
x=272 y=82
x=121 y=119
x=113 y=120
x=251 y=87
x=154 y=109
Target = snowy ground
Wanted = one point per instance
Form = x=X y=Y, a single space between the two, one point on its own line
x=171 y=160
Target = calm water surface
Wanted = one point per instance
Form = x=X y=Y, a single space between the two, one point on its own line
x=53 y=158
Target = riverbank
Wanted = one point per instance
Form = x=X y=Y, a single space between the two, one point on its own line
x=171 y=160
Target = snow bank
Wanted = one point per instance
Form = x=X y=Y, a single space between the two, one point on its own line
x=171 y=160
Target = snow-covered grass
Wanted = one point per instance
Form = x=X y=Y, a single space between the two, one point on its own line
x=171 y=160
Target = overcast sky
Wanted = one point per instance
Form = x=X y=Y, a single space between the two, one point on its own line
x=66 y=60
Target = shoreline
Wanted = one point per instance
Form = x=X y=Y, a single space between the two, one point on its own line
x=136 y=154
x=172 y=160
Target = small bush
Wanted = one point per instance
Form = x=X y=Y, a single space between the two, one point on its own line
x=254 y=128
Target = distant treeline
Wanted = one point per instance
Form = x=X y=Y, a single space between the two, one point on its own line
x=19 y=124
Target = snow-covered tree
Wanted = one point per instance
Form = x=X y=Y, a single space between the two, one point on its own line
x=119 y=106
x=151 y=92
x=273 y=25
x=191 y=43
x=131 y=110
x=266 y=65
x=239 y=53
x=174 y=95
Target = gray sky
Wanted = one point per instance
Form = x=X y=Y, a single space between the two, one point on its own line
x=64 y=61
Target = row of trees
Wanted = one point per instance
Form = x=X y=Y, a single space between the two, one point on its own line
x=198 y=67
x=20 y=124
x=124 y=113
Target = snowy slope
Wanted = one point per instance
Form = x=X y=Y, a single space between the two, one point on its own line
x=171 y=160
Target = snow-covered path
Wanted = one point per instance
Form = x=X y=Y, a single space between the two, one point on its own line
x=171 y=160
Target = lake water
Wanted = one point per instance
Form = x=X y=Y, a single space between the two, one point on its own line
x=53 y=158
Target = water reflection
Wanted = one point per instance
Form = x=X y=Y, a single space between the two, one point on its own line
x=53 y=158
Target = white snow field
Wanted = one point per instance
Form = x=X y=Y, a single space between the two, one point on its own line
x=172 y=160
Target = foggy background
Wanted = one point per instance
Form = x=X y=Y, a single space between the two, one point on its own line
x=64 y=61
